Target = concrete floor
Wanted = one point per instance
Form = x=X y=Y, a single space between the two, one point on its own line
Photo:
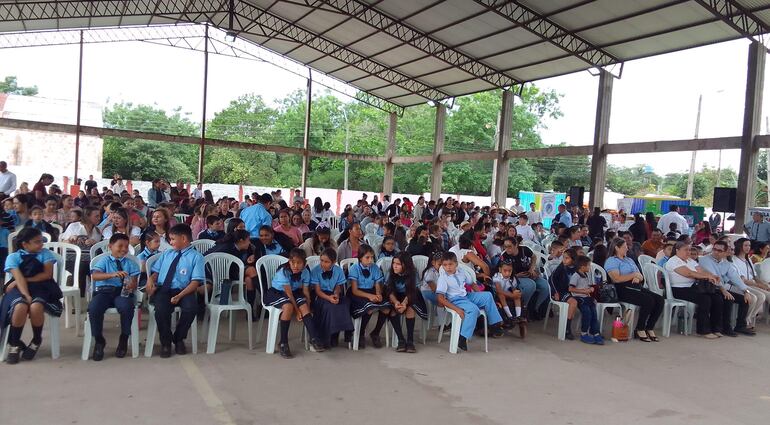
x=540 y=380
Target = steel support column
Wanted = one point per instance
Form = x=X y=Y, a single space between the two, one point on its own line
x=752 y=112
x=438 y=149
x=202 y=146
x=601 y=139
x=77 y=118
x=306 y=138
x=502 y=166
x=390 y=152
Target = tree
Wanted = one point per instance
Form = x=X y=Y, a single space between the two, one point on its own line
x=10 y=86
x=703 y=184
x=138 y=159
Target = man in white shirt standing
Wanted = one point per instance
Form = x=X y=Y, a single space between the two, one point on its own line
x=7 y=180
x=198 y=191
x=532 y=215
x=517 y=208
x=673 y=216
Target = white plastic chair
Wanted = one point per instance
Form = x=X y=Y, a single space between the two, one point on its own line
x=345 y=265
x=203 y=245
x=220 y=264
x=420 y=264
x=12 y=240
x=671 y=305
x=644 y=260
x=562 y=309
x=98 y=248
x=347 y=262
x=71 y=294
x=88 y=338
x=152 y=324
x=375 y=242
x=181 y=218
x=454 y=318
x=57 y=227
x=384 y=264
x=602 y=307
x=334 y=222
x=270 y=263
x=313 y=261
x=762 y=269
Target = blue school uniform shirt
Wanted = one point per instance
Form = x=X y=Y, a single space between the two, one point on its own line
x=4 y=237
x=107 y=264
x=273 y=249
x=356 y=273
x=283 y=277
x=255 y=217
x=623 y=266
x=14 y=260
x=327 y=285
x=145 y=254
x=190 y=267
x=452 y=285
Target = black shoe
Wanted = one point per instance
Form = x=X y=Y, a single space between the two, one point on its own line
x=729 y=333
x=497 y=332
x=376 y=342
x=29 y=351
x=745 y=331
x=285 y=351
x=508 y=323
x=317 y=346
x=462 y=343
x=165 y=351
x=99 y=351
x=410 y=348
x=448 y=329
x=569 y=336
x=335 y=342
x=122 y=348
x=13 y=354
x=401 y=347
x=180 y=348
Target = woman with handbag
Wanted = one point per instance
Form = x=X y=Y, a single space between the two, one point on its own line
x=629 y=282
x=691 y=283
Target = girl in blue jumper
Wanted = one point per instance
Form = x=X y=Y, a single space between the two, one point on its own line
x=331 y=307
x=406 y=300
x=30 y=294
x=367 y=294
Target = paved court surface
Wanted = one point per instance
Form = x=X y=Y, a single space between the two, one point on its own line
x=540 y=380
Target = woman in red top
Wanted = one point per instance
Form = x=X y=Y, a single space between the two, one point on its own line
x=284 y=226
x=703 y=233
x=478 y=231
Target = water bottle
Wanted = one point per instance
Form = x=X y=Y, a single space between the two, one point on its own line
x=125 y=292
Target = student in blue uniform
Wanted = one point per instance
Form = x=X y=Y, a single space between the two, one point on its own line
x=267 y=245
x=214 y=228
x=238 y=244
x=36 y=221
x=451 y=293
x=30 y=294
x=290 y=291
x=406 y=300
x=114 y=279
x=368 y=295
x=428 y=287
x=173 y=282
x=150 y=245
x=331 y=308
x=388 y=247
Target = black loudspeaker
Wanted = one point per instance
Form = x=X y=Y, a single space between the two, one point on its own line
x=576 y=196
x=724 y=199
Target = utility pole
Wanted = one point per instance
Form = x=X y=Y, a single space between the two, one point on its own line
x=347 y=145
x=691 y=179
x=767 y=158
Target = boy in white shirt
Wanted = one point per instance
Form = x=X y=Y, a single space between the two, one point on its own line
x=451 y=293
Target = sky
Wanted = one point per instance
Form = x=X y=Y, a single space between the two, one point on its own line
x=655 y=98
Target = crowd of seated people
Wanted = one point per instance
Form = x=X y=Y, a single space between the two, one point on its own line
x=500 y=246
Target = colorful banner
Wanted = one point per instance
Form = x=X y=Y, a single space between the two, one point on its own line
x=549 y=205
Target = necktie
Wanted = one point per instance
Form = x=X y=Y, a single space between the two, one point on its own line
x=118 y=265
x=172 y=270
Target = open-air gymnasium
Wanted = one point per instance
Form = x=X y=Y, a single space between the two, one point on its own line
x=158 y=301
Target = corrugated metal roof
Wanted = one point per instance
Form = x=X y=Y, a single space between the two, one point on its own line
x=411 y=51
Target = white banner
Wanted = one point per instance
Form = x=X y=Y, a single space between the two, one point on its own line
x=548 y=202
x=625 y=204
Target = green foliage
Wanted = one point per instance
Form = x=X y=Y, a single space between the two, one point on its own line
x=632 y=180
x=10 y=86
x=703 y=184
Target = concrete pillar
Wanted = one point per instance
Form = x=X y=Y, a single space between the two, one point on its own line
x=438 y=149
x=202 y=145
x=752 y=112
x=502 y=165
x=601 y=138
x=306 y=138
x=390 y=152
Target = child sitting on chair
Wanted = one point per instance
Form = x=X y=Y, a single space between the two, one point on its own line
x=115 y=278
x=451 y=293
x=581 y=286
